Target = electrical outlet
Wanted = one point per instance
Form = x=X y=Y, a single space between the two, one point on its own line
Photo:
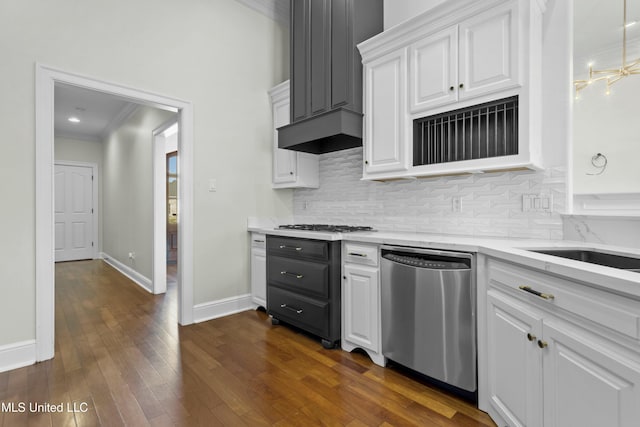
x=456 y=204
x=132 y=255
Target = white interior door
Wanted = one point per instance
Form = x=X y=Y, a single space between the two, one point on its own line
x=73 y=212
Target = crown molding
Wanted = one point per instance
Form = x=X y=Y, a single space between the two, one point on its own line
x=278 y=10
x=127 y=111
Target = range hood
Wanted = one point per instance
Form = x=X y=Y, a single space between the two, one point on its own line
x=326 y=73
x=334 y=130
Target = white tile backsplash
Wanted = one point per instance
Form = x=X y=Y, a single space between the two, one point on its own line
x=491 y=202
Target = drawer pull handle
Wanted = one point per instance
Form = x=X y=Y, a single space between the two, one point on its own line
x=259 y=241
x=537 y=293
x=357 y=254
x=296 y=275
x=531 y=337
x=297 y=310
x=297 y=248
x=542 y=344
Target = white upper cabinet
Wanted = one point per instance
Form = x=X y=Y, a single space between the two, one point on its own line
x=434 y=70
x=488 y=54
x=385 y=97
x=474 y=67
x=291 y=169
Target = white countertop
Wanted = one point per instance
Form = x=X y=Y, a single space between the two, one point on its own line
x=512 y=250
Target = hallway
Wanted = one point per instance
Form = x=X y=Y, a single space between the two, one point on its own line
x=121 y=356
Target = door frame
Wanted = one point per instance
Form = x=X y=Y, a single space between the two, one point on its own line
x=159 y=207
x=95 y=197
x=46 y=77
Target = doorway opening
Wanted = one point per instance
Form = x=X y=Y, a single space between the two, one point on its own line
x=46 y=79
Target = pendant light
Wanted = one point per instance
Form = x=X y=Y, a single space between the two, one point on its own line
x=614 y=74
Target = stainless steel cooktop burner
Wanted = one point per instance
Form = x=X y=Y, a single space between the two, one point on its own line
x=331 y=228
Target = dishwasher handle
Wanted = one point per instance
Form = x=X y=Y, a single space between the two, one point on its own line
x=427 y=258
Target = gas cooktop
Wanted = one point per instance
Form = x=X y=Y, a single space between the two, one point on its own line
x=330 y=228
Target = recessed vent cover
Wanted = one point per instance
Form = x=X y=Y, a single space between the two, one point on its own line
x=478 y=132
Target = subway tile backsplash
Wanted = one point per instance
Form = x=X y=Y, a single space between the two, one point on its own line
x=490 y=204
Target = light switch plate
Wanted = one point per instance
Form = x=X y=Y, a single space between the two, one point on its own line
x=537 y=203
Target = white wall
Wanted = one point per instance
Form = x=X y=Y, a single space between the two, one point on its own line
x=128 y=190
x=218 y=54
x=607 y=124
x=397 y=11
x=87 y=152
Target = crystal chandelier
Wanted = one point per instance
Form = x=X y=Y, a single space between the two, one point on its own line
x=614 y=74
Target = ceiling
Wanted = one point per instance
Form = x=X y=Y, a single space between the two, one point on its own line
x=598 y=28
x=98 y=112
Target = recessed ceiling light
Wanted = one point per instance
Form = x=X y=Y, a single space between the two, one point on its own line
x=74 y=119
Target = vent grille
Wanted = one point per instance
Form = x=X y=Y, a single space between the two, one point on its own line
x=478 y=132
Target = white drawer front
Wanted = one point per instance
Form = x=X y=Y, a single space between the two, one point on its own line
x=613 y=311
x=258 y=240
x=358 y=253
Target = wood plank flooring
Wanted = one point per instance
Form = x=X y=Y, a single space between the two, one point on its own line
x=121 y=359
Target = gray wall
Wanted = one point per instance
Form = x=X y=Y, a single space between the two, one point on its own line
x=220 y=55
x=128 y=190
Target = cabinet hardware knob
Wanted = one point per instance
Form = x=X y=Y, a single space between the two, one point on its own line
x=366 y=162
x=461 y=85
x=344 y=277
x=290 y=173
x=531 y=337
x=259 y=241
x=451 y=88
x=536 y=293
x=542 y=344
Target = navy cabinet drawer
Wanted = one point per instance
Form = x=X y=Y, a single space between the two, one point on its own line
x=308 y=313
x=298 y=248
x=299 y=275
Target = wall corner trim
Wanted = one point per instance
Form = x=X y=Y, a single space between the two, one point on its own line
x=220 y=308
x=17 y=355
x=138 y=278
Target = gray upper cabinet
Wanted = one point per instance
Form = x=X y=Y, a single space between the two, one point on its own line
x=326 y=67
x=326 y=72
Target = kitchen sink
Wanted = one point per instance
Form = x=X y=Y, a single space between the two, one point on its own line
x=595 y=257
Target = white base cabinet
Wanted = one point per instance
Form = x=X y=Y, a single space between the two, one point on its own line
x=546 y=365
x=291 y=169
x=258 y=270
x=361 y=327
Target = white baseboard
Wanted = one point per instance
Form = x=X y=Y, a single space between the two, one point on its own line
x=17 y=355
x=221 y=308
x=142 y=281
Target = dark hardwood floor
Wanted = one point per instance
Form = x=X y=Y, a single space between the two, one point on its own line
x=122 y=358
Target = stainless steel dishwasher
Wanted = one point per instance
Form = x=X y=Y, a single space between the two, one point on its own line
x=428 y=313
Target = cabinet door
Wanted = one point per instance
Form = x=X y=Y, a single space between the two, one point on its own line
x=299 y=41
x=433 y=70
x=284 y=161
x=259 y=276
x=385 y=119
x=361 y=308
x=514 y=360
x=587 y=382
x=488 y=50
